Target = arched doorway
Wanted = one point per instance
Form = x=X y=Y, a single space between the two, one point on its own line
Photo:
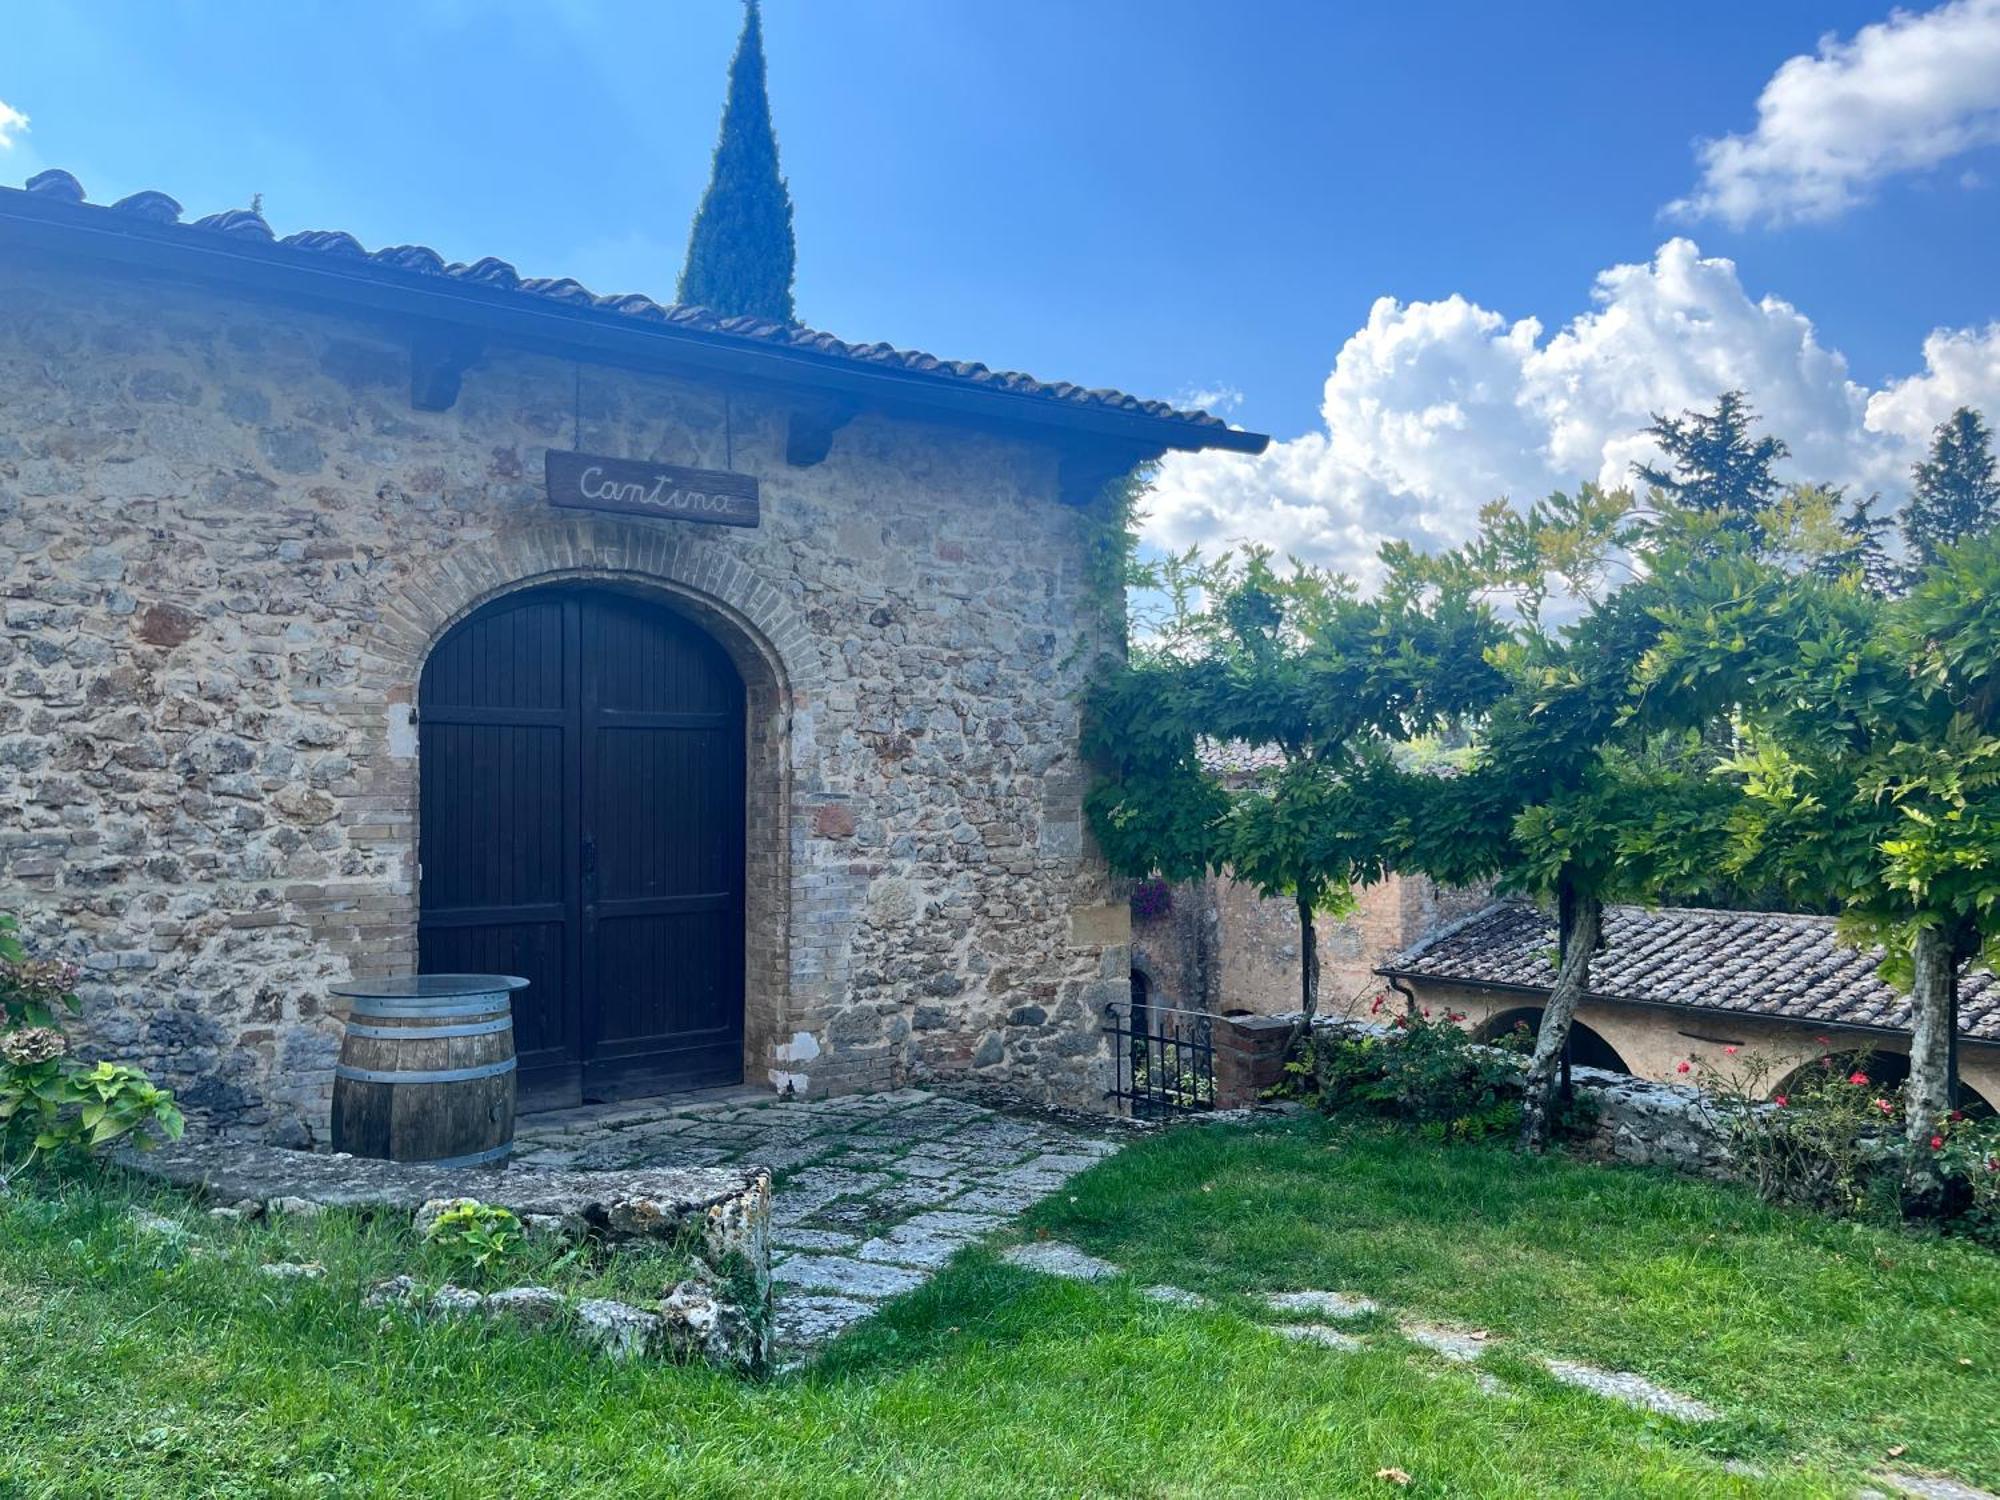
x=1586 y=1048
x=581 y=823
x=1142 y=1003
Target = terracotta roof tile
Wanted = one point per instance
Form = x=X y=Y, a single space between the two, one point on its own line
x=158 y=208
x=1760 y=963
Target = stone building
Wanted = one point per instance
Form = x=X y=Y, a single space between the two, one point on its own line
x=1677 y=985
x=1216 y=946
x=365 y=612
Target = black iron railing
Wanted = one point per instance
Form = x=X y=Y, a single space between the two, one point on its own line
x=1163 y=1060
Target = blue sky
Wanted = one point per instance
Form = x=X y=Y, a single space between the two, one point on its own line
x=1162 y=195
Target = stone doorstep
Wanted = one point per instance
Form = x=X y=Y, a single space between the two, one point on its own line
x=1054 y=1258
x=844 y=1276
x=1633 y=1390
x=1174 y=1296
x=802 y=1322
x=1459 y=1345
x=1326 y=1304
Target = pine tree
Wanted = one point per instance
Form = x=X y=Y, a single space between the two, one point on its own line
x=1862 y=552
x=1954 y=493
x=1716 y=465
x=741 y=255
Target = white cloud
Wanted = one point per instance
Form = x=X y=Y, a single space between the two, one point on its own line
x=1217 y=400
x=12 y=125
x=1904 y=95
x=1961 y=368
x=1434 y=408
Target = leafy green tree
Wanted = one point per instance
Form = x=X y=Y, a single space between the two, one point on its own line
x=1954 y=493
x=1324 y=683
x=1714 y=465
x=1579 y=793
x=741 y=256
x=1869 y=764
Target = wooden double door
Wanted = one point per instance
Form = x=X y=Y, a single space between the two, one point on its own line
x=582 y=825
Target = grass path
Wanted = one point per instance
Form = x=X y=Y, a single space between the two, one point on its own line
x=129 y=1367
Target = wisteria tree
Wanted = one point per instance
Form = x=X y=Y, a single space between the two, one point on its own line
x=1869 y=764
x=1295 y=668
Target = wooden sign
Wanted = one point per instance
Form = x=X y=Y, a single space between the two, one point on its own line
x=585 y=481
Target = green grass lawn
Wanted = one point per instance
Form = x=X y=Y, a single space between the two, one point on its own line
x=129 y=1366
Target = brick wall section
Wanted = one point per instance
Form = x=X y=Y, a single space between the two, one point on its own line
x=1249 y=1058
x=228 y=542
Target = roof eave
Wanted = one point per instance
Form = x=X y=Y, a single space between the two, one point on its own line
x=1511 y=987
x=68 y=232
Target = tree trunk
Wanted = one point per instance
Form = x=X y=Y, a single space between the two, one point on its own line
x=1586 y=927
x=1932 y=1090
x=1308 y=961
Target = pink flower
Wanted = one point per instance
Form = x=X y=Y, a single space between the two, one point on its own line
x=1858 y=1079
x=1682 y=1068
x=1780 y=1100
x=1937 y=1143
x=1956 y=1116
x=1885 y=1106
x=1730 y=1051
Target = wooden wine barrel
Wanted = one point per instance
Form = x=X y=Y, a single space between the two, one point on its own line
x=426 y=1070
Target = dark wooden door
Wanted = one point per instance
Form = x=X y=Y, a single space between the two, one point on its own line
x=582 y=761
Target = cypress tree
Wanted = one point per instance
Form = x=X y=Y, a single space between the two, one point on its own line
x=1953 y=493
x=741 y=255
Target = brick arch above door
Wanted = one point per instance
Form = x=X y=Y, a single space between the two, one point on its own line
x=419 y=608
x=747 y=614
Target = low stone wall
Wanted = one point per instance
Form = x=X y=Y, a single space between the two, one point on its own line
x=1654 y=1124
x=1638 y=1121
x=720 y=1215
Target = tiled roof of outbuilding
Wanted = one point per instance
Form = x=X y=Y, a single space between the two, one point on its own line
x=157 y=209
x=1753 y=963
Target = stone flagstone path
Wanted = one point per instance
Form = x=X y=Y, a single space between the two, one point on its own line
x=874 y=1192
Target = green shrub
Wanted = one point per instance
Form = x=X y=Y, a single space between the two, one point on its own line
x=52 y=1105
x=1969 y=1154
x=1823 y=1143
x=1425 y=1072
x=477 y=1237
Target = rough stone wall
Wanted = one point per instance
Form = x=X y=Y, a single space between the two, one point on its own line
x=1223 y=948
x=1653 y=1041
x=228 y=541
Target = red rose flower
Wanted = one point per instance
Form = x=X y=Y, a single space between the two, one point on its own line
x=1858 y=1079
x=1937 y=1143
x=1780 y=1100
x=1682 y=1068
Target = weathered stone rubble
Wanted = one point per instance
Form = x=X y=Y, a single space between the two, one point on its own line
x=647 y=1203
x=698 y=1320
x=721 y=1215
